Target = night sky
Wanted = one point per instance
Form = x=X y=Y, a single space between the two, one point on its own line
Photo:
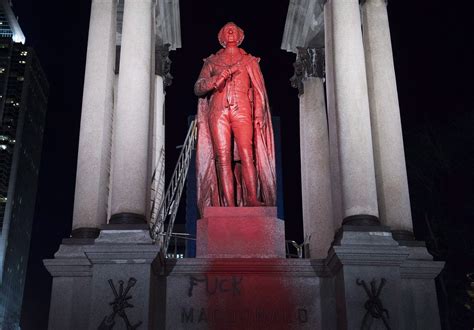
x=433 y=51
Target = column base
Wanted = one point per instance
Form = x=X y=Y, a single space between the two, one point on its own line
x=403 y=235
x=127 y=219
x=124 y=233
x=85 y=232
x=361 y=220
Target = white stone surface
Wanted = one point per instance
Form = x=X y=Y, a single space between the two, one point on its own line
x=131 y=121
x=124 y=236
x=391 y=176
x=304 y=26
x=167 y=23
x=351 y=107
x=336 y=187
x=90 y=202
x=159 y=120
x=158 y=141
x=109 y=189
x=315 y=169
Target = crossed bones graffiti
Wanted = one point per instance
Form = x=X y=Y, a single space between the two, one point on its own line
x=373 y=305
x=119 y=305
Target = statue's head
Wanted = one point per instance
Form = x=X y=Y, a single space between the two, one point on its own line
x=230 y=33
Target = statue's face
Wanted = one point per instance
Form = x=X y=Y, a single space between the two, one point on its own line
x=230 y=34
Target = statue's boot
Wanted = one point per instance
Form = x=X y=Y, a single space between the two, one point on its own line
x=249 y=175
x=226 y=178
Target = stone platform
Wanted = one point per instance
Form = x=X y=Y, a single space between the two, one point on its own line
x=240 y=232
x=366 y=273
x=365 y=269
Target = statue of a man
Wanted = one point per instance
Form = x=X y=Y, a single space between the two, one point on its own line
x=235 y=152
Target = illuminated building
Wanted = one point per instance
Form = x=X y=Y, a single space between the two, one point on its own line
x=23 y=97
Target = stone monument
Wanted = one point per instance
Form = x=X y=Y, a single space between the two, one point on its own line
x=362 y=269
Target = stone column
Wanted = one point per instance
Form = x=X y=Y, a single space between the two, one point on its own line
x=336 y=186
x=391 y=176
x=351 y=105
x=314 y=144
x=158 y=126
x=162 y=79
x=131 y=121
x=93 y=163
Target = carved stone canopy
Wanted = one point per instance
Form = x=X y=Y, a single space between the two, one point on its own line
x=309 y=63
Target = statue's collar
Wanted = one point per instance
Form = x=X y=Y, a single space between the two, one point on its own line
x=218 y=58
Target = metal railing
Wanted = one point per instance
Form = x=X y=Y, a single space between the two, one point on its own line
x=163 y=217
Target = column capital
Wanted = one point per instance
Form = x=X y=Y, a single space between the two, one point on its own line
x=163 y=64
x=309 y=62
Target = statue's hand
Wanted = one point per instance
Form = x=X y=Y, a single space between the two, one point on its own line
x=220 y=82
x=227 y=73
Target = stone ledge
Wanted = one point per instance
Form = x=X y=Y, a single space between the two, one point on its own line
x=364 y=235
x=368 y=255
x=68 y=267
x=416 y=269
x=122 y=253
x=232 y=212
x=71 y=251
x=249 y=266
x=121 y=236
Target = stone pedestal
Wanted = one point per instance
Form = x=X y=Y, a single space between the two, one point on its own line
x=240 y=232
x=360 y=260
x=245 y=294
x=371 y=269
x=71 y=290
x=88 y=276
x=418 y=291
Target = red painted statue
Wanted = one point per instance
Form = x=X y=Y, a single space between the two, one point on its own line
x=235 y=156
